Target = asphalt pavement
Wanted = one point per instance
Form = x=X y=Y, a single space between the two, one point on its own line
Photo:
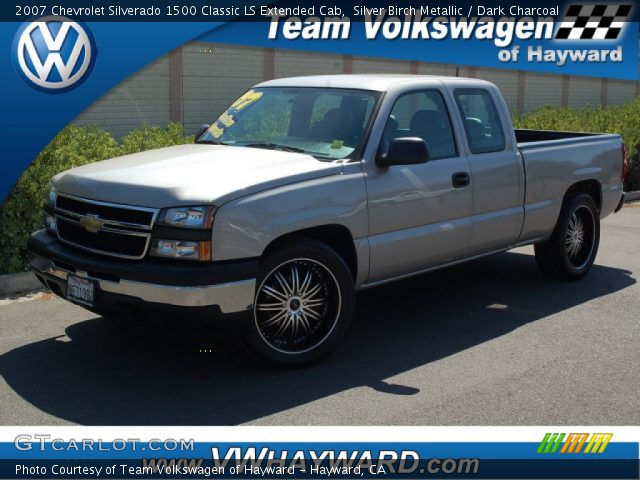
x=485 y=343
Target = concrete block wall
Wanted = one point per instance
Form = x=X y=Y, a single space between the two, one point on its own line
x=369 y=65
x=213 y=76
x=436 y=69
x=290 y=63
x=541 y=89
x=142 y=99
x=195 y=86
x=620 y=91
x=585 y=91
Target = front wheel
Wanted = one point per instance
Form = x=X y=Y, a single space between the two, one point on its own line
x=303 y=304
x=571 y=250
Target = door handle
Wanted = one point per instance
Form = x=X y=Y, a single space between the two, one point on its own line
x=460 y=179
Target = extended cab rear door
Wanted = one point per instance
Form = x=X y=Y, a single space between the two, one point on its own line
x=419 y=215
x=496 y=170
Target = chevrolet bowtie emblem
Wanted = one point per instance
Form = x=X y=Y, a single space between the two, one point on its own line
x=91 y=223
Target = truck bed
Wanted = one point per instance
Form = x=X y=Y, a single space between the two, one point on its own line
x=530 y=136
x=553 y=161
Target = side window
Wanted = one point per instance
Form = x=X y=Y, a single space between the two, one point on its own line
x=481 y=120
x=424 y=115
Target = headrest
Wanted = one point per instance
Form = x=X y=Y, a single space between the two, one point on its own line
x=426 y=119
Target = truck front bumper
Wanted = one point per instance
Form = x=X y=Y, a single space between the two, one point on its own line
x=215 y=294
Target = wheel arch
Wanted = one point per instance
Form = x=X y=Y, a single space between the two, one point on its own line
x=336 y=236
x=591 y=187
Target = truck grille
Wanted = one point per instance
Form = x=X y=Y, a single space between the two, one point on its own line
x=121 y=214
x=108 y=242
x=125 y=231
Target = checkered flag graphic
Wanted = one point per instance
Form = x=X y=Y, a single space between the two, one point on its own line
x=593 y=22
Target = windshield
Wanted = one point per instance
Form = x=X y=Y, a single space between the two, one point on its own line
x=328 y=123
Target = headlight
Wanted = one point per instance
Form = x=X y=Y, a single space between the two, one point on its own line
x=50 y=201
x=181 y=249
x=187 y=217
x=51 y=196
x=194 y=218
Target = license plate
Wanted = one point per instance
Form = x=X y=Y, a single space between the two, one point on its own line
x=80 y=290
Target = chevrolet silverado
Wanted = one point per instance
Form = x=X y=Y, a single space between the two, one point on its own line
x=308 y=189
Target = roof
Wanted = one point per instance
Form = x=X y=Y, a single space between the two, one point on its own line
x=376 y=82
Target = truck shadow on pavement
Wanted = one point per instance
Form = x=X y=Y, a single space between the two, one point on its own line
x=101 y=373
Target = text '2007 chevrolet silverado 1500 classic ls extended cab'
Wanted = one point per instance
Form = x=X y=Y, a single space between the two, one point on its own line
x=308 y=189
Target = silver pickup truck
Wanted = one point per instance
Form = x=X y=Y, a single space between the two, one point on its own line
x=308 y=189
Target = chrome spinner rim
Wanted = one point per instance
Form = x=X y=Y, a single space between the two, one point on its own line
x=580 y=237
x=297 y=306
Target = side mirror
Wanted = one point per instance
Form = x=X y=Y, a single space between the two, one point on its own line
x=405 y=151
x=203 y=128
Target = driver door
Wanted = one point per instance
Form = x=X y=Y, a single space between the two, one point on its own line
x=419 y=215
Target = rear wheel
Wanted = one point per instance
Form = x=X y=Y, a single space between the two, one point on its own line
x=571 y=250
x=303 y=304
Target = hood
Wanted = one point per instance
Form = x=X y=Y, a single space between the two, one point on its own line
x=190 y=175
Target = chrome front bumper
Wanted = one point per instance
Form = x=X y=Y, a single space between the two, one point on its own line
x=230 y=297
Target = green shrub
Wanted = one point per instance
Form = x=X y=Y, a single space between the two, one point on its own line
x=21 y=212
x=148 y=138
x=622 y=119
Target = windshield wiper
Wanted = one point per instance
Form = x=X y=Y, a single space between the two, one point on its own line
x=210 y=142
x=275 y=146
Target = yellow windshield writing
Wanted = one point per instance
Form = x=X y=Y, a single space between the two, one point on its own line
x=226 y=119
x=246 y=100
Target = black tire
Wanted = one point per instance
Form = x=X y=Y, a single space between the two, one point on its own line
x=563 y=256
x=304 y=302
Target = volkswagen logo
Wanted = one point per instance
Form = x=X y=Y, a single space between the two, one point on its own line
x=54 y=54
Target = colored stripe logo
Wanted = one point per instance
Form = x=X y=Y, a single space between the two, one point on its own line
x=574 y=443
